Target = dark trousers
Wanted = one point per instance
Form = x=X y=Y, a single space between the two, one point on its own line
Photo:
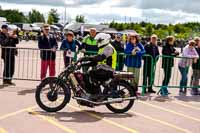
x=167 y=76
x=120 y=61
x=147 y=76
x=9 y=68
x=67 y=61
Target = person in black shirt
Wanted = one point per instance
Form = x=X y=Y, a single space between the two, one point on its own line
x=48 y=45
x=8 y=42
x=151 y=50
x=119 y=47
x=169 y=52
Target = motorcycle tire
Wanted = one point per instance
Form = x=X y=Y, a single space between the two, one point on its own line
x=132 y=93
x=59 y=83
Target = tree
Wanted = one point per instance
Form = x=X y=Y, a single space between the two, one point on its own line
x=35 y=16
x=50 y=20
x=149 y=29
x=53 y=16
x=13 y=16
x=112 y=24
x=80 y=19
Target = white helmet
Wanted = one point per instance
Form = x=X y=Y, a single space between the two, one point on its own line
x=102 y=39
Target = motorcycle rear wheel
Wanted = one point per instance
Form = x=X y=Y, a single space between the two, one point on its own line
x=130 y=90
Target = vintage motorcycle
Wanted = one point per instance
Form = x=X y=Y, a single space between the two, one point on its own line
x=105 y=88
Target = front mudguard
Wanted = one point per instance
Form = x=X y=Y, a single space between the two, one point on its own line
x=61 y=84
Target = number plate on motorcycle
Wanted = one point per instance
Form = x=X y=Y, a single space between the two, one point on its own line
x=70 y=54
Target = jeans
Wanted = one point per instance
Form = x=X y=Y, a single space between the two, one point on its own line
x=184 y=78
x=167 y=77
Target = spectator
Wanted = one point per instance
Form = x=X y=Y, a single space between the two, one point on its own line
x=119 y=47
x=169 y=52
x=149 y=67
x=89 y=44
x=189 y=55
x=133 y=60
x=69 y=45
x=48 y=46
x=8 y=40
x=196 y=70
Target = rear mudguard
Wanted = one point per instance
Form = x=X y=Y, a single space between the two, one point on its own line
x=125 y=82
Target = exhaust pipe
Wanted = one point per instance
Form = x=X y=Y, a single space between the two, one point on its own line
x=109 y=101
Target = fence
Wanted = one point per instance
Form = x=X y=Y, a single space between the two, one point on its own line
x=28 y=63
x=174 y=75
x=28 y=66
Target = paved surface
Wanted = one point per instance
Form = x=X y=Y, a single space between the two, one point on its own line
x=151 y=114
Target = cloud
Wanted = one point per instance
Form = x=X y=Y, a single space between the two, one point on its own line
x=156 y=11
x=54 y=2
x=190 y=6
x=167 y=16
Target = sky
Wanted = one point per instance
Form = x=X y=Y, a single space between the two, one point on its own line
x=100 y=11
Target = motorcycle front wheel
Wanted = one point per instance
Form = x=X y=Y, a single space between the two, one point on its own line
x=122 y=89
x=52 y=95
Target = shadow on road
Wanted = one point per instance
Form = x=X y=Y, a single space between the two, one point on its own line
x=25 y=92
x=188 y=98
x=82 y=116
x=149 y=97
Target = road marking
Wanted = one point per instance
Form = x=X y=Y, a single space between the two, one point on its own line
x=186 y=105
x=16 y=113
x=170 y=111
x=161 y=122
x=105 y=120
x=51 y=121
x=3 y=130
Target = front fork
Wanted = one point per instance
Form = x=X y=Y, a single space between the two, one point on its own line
x=75 y=85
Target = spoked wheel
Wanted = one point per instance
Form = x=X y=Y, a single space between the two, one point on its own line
x=122 y=90
x=52 y=95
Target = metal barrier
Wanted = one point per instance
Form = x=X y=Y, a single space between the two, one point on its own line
x=167 y=72
x=28 y=66
x=27 y=63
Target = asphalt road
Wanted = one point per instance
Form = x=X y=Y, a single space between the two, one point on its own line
x=151 y=114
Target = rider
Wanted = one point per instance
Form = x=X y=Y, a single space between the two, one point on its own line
x=106 y=58
x=107 y=54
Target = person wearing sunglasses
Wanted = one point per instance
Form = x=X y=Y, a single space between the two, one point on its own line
x=189 y=56
x=168 y=52
x=119 y=47
x=47 y=45
x=134 y=50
